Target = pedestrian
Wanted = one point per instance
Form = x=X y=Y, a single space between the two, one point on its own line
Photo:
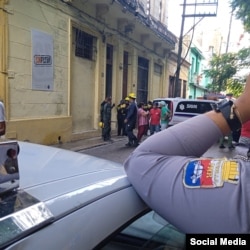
x=245 y=134
x=147 y=107
x=131 y=120
x=143 y=120
x=125 y=115
x=154 y=119
x=196 y=194
x=165 y=115
x=229 y=140
x=101 y=115
x=2 y=119
x=121 y=115
x=107 y=119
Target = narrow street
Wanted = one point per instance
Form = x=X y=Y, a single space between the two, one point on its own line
x=118 y=152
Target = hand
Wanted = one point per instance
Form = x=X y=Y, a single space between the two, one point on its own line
x=113 y=105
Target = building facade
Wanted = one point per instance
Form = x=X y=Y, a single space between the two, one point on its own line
x=61 y=58
x=196 y=74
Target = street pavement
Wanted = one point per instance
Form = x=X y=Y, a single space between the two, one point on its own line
x=83 y=144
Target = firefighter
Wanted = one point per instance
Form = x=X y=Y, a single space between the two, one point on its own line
x=131 y=120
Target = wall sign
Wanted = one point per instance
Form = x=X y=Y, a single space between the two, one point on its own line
x=42 y=61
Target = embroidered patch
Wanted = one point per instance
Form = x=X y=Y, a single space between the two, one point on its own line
x=210 y=173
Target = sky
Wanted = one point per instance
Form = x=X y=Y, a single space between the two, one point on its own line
x=221 y=22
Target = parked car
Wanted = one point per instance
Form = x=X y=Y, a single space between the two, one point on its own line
x=183 y=109
x=68 y=200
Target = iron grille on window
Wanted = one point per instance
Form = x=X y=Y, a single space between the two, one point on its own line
x=85 y=45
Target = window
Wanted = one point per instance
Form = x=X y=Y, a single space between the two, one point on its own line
x=150 y=231
x=158 y=68
x=197 y=107
x=85 y=44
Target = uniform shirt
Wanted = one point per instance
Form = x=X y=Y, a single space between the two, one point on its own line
x=158 y=170
x=107 y=112
x=132 y=114
x=102 y=110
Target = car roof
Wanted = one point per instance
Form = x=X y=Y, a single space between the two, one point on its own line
x=41 y=164
x=168 y=99
x=57 y=184
x=49 y=172
x=179 y=99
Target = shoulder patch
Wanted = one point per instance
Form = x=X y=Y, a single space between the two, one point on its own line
x=210 y=173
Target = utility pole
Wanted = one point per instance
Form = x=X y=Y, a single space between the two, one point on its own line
x=229 y=31
x=178 y=69
x=197 y=5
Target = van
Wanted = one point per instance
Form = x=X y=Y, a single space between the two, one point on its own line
x=183 y=109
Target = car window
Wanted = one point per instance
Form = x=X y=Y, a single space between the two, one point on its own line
x=168 y=102
x=150 y=231
x=193 y=107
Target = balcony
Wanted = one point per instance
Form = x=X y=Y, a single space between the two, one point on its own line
x=128 y=19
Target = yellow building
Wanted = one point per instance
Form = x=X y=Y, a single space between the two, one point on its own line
x=59 y=59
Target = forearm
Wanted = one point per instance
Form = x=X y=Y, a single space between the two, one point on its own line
x=190 y=138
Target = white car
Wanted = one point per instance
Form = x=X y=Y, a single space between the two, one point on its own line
x=183 y=109
x=68 y=200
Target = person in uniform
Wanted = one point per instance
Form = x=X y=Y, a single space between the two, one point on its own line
x=107 y=119
x=126 y=100
x=130 y=121
x=121 y=115
x=101 y=115
x=197 y=194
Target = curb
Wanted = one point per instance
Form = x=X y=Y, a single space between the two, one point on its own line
x=85 y=144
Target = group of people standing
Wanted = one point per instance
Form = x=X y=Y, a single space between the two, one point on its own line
x=130 y=115
x=153 y=117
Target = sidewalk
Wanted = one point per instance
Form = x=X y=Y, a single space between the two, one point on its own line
x=83 y=144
